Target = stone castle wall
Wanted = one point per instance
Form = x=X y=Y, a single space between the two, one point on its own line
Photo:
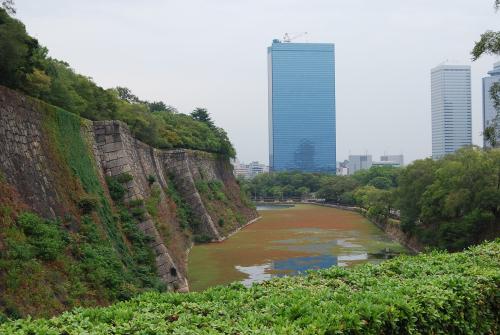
x=28 y=163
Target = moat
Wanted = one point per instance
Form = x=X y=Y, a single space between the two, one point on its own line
x=288 y=241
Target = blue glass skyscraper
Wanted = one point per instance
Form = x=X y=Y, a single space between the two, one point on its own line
x=302 y=107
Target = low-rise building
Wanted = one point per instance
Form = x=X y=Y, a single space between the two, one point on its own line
x=249 y=171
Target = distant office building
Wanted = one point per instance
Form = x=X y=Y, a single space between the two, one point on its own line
x=248 y=170
x=359 y=162
x=301 y=107
x=397 y=159
x=451 y=109
x=489 y=112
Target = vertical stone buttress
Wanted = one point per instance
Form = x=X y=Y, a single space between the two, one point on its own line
x=118 y=152
x=176 y=162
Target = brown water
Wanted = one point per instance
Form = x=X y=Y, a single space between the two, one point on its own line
x=288 y=241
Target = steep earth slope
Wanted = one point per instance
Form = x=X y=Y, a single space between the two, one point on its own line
x=108 y=200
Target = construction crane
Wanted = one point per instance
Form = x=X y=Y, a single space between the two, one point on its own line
x=287 y=38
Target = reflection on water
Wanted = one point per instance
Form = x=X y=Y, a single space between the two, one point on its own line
x=289 y=241
x=300 y=264
x=256 y=273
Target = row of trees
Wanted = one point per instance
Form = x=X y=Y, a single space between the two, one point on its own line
x=450 y=203
x=25 y=66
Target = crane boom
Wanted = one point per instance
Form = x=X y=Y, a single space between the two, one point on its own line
x=287 y=38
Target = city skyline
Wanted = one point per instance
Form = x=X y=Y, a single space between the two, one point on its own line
x=383 y=104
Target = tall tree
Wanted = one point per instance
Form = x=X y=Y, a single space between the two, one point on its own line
x=126 y=94
x=201 y=114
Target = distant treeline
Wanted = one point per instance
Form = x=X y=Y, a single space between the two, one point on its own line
x=450 y=203
x=25 y=66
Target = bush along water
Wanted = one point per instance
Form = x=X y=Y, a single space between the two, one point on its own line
x=435 y=293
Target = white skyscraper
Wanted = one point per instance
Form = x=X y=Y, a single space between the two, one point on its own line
x=489 y=112
x=451 y=109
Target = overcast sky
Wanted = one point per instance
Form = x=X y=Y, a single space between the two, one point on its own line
x=212 y=53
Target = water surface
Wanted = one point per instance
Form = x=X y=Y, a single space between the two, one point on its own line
x=289 y=241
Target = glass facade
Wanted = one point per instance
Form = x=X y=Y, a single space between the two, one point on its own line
x=302 y=107
x=451 y=109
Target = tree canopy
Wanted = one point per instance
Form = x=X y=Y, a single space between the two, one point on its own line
x=25 y=66
x=449 y=204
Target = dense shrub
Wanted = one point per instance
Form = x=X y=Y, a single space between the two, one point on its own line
x=88 y=203
x=151 y=179
x=116 y=187
x=184 y=212
x=44 y=237
x=202 y=238
x=434 y=293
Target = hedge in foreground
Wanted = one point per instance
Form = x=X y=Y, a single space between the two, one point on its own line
x=434 y=293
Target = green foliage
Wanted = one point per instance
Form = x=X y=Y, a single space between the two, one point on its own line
x=213 y=189
x=136 y=209
x=202 y=238
x=283 y=184
x=448 y=204
x=383 y=176
x=434 y=293
x=184 y=212
x=336 y=187
x=24 y=65
x=153 y=201
x=491 y=132
x=124 y=178
x=151 y=179
x=110 y=258
x=45 y=239
x=376 y=201
x=19 y=52
x=202 y=115
x=489 y=44
x=88 y=203
x=8 y=6
x=115 y=186
x=453 y=202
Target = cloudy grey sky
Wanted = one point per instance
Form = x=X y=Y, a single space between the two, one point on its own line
x=212 y=53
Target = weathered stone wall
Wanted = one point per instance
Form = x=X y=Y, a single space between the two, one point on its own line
x=118 y=152
x=177 y=164
x=24 y=156
x=46 y=184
